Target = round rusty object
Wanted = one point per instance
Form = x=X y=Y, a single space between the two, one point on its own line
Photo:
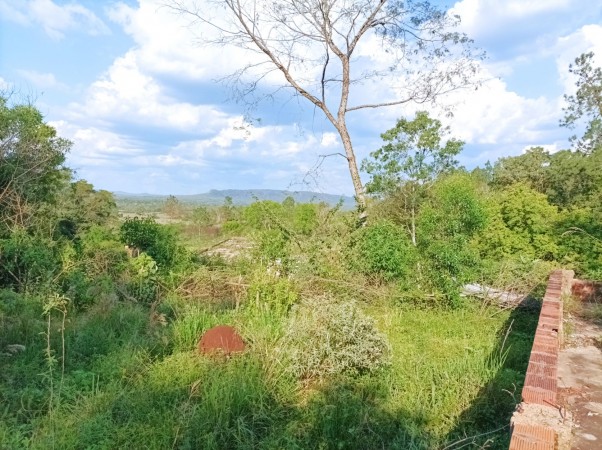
x=221 y=339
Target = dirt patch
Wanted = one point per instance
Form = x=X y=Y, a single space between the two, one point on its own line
x=580 y=380
x=230 y=248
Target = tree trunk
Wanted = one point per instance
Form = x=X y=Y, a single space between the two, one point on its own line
x=414 y=225
x=413 y=214
x=353 y=170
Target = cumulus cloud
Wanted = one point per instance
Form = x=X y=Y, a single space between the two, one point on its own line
x=515 y=28
x=128 y=95
x=53 y=18
x=96 y=147
x=177 y=49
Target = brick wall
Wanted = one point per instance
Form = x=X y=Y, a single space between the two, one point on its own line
x=533 y=422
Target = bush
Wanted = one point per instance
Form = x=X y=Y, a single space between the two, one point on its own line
x=102 y=253
x=27 y=259
x=272 y=245
x=268 y=294
x=325 y=338
x=158 y=241
x=143 y=286
x=384 y=249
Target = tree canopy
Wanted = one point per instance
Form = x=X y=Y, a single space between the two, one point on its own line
x=31 y=162
x=586 y=103
x=411 y=159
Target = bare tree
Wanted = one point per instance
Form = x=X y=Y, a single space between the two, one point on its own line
x=315 y=46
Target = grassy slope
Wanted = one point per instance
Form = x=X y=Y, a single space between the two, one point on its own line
x=131 y=385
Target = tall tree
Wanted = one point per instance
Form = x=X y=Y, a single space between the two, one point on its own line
x=411 y=159
x=586 y=103
x=530 y=168
x=315 y=46
x=31 y=163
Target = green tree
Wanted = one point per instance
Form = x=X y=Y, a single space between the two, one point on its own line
x=172 y=207
x=574 y=178
x=31 y=163
x=586 y=103
x=158 y=241
x=454 y=214
x=201 y=217
x=411 y=159
x=581 y=244
x=530 y=168
x=521 y=224
x=89 y=206
x=227 y=211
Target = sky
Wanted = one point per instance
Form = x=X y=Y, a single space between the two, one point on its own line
x=145 y=103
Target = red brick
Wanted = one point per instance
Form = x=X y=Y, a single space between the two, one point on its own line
x=542 y=382
x=538 y=396
x=544 y=370
x=532 y=437
x=543 y=358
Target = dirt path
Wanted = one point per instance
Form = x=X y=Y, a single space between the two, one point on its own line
x=580 y=380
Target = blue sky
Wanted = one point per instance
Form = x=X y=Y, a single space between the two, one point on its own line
x=124 y=81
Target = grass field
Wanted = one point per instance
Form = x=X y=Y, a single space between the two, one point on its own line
x=133 y=383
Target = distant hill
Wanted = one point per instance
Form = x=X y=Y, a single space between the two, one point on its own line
x=240 y=197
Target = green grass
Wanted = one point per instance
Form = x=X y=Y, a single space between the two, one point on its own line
x=131 y=384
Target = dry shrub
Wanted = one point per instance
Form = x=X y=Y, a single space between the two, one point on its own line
x=325 y=337
x=212 y=288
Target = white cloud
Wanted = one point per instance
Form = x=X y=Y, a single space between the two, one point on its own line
x=550 y=148
x=518 y=29
x=41 y=80
x=329 y=140
x=173 y=51
x=96 y=147
x=586 y=39
x=54 y=19
x=126 y=94
x=4 y=85
x=495 y=115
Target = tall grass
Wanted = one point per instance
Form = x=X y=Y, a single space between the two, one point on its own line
x=129 y=383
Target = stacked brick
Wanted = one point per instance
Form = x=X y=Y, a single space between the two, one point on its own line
x=540 y=391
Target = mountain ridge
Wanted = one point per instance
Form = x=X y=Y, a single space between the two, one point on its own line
x=242 y=197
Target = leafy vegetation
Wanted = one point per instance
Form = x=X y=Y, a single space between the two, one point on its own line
x=357 y=336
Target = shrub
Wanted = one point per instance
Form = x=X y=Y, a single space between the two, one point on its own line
x=270 y=295
x=272 y=245
x=446 y=225
x=305 y=218
x=384 y=249
x=232 y=226
x=143 y=285
x=27 y=259
x=101 y=253
x=325 y=338
x=158 y=241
